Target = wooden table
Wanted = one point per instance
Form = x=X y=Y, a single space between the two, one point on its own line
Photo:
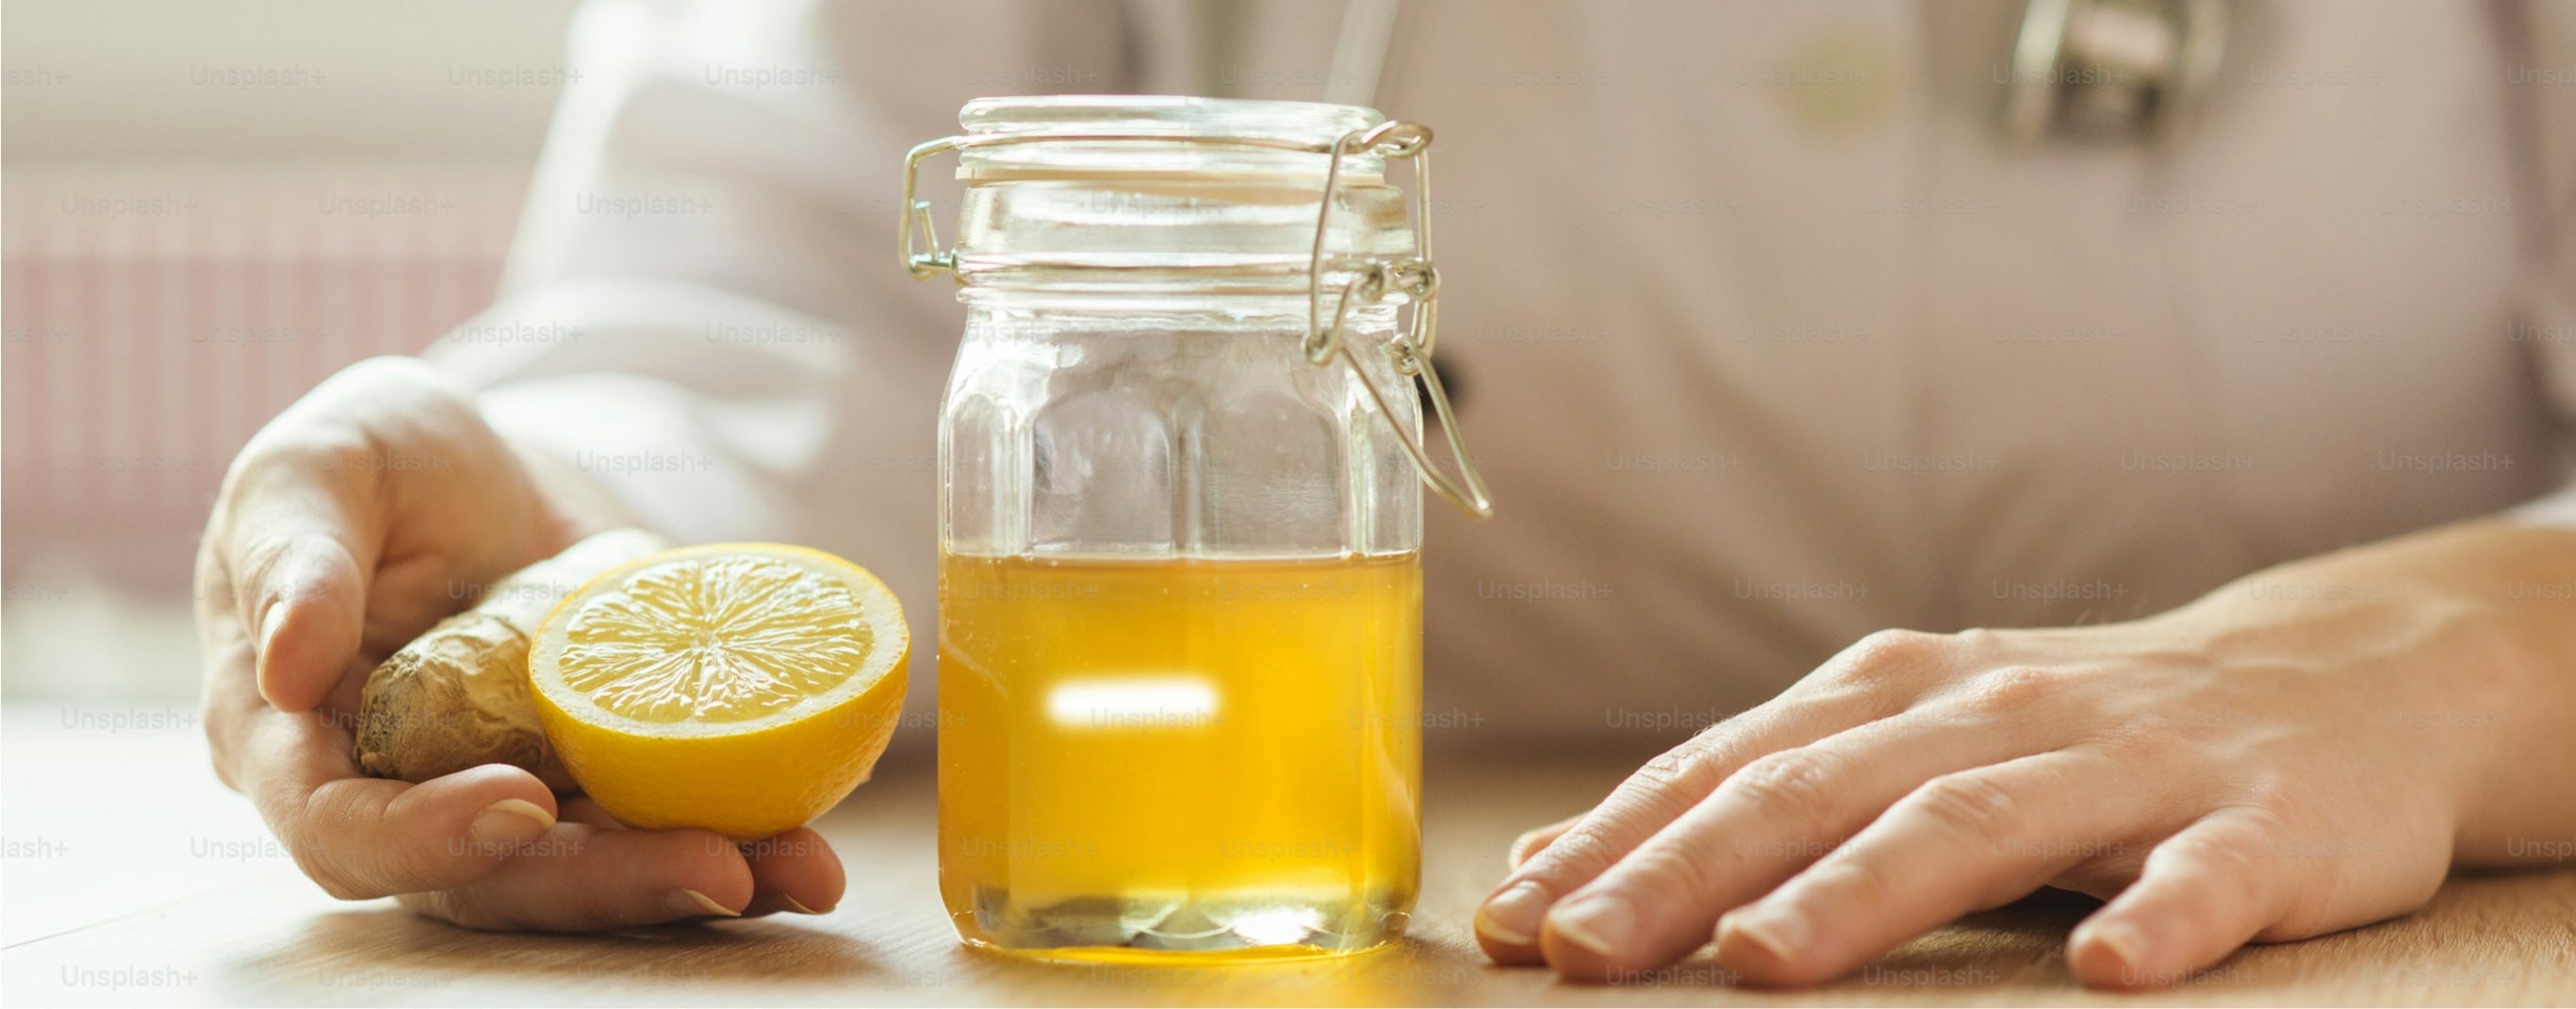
x=133 y=878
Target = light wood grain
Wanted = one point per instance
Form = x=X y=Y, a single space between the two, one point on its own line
x=254 y=932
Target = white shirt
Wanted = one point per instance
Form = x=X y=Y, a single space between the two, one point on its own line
x=1767 y=341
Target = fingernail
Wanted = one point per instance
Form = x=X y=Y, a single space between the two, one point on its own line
x=2124 y=943
x=1781 y=932
x=795 y=905
x=1599 y=924
x=1513 y=915
x=687 y=901
x=512 y=821
x=269 y=621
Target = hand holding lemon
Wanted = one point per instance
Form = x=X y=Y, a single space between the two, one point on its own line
x=419 y=782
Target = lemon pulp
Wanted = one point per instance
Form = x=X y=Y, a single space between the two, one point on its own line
x=742 y=688
x=720 y=639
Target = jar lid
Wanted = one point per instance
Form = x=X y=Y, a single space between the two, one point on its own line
x=1085 y=191
x=1072 y=117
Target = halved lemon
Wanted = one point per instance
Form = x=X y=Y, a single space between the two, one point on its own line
x=741 y=687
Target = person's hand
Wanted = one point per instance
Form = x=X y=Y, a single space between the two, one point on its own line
x=2301 y=752
x=356 y=519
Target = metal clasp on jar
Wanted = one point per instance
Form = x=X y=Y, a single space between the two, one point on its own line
x=1415 y=279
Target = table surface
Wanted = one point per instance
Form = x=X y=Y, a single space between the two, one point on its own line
x=132 y=877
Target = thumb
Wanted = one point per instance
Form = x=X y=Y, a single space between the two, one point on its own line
x=298 y=557
x=311 y=615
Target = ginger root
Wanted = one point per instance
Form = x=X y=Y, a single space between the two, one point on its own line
x=458 y=697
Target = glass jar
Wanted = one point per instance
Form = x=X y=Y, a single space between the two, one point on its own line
x=1180 y=599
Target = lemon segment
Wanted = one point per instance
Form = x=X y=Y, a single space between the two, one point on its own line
x=742 y=687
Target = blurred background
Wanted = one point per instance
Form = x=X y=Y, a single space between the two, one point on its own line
x=208 y=208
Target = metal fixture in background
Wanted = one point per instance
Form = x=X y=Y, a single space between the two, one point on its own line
x=2109 y=68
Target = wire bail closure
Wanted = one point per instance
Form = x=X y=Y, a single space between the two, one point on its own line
x=1414 y=279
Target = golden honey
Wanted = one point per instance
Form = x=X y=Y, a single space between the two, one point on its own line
x=1189 y=756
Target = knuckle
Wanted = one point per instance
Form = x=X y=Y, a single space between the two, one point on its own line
x=1585 y=848
x=373 y=382
x=1880 y=658
x=1674 y=770
x=1975 y=639
x=393 y=381
x=321 y=431
x=2272 y=805
x=256 y=557
x=1668 y=784
x=2012 y=689
x=297 y=436
x=1519 y=850
x=1530 y=841
x=1854 y=880
x=2230 y=879
x=2237 y=857
x=285 y=453
x=1897 y=645
x=1666 y=771
x=1794 y=785
x=1667 y=871
x=265 y=568
x=276 y=565
x=1968 y=804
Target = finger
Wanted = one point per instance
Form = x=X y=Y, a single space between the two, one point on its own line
x=1765 y=823
x=368 y=837
x=795 y=871
x=1963 y=842
x=296 y=550
x=1510 y=922
x=362 y=837
x=1869 y=680
x=580 y=878
x=1530 y=842
x=583 y=809
x=2203 y=893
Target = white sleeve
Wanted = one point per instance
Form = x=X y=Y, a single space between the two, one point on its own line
x=702 y=308
x=2547 y=327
